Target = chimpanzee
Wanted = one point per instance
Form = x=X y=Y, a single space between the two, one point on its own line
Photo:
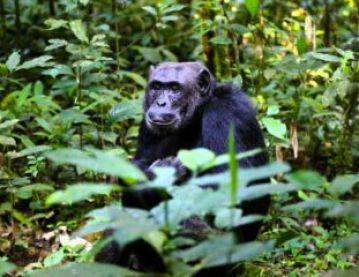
x=185 y=108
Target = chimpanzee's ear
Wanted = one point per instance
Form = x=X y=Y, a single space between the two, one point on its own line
x=205 y=82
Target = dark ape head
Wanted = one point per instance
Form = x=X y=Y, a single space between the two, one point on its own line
x=174 y=93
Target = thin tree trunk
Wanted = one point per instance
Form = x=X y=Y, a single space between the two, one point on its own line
x=52 y=7
x=17 y=22
x=2 y=16
x=327 y=24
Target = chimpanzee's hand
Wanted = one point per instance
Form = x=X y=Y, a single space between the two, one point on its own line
x=182 y=173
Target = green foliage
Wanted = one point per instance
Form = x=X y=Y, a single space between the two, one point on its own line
x=96 y=270
x=6 y=267
x=72 y=80
x=100 y=161
x=79 y=192
x=252 y=6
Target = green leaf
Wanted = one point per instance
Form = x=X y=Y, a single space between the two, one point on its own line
x=3 y=69
x=169 y=55
x=79 y=192
x=55 y=44
x=343 y=184
x=238 y=28
x=55 y=23
x=6 y=267
x=317 y=204
x=93 y=270
x=57 y=70
x=151 y=54
x=197 y=158
x=26 y=192
x=150 y=10
x=13 y=61
x=42 y=61
x=226 y=218
x=9 y=123
x=173 y=8
x=325 y=57
x=54 y=258
x=134 y=230
x=275 y=127
x=99 y=161
x=137 y=78
x=84 y=2
x=257 y=191
x=73 y=115
x=272 y=110
x=78 y=29
x=126 y=109
x=301 y=44
x=245 y=175
x=24 y=95
x=224 y=158
x=181 y=206
x=346 y=210
x=5 y=140
x=128 y=224
x=221 y=40
x=306 y=179
x=169 y=18
x=252 y=6
x=349 y=244
x=226 y=251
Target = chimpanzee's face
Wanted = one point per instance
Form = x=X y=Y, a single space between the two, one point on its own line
x=174 y=92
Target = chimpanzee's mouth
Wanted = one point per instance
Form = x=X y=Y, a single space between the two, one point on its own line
x=162 y=123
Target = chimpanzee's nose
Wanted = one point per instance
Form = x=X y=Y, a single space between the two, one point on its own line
x=161 y=118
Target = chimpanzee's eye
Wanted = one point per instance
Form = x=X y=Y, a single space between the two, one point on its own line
x=156 y=86
x=175 y=88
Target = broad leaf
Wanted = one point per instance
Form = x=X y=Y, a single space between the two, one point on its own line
x=42 y=61
x=325 y=57
x=79 y=192
x=226 y=251
x=275 y=127
x=54 y=258
x=150 y=10
x=221 y=40
x=305 y=179
x=252 y=6
x=27 y=192
x=55 y=44
x=5 y=140
x=197 y=158
x=58 y=69
x=257 y=191
x=93 y=270
x=55 y=23
x=347 y=210
x=9 y=123
x=13 y=61
x=6 y=267
x=343 y=184
x=150 y=54
x=79 y=30
x=316 y=204
x=226 y=218
x=126 y=109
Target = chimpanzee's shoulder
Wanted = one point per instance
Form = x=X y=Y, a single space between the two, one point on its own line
x=230 y=98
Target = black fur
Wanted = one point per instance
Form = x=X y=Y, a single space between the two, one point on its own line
x=221 y=107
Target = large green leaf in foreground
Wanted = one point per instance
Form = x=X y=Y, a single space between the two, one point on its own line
x=98 y=161
x=93 y=270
